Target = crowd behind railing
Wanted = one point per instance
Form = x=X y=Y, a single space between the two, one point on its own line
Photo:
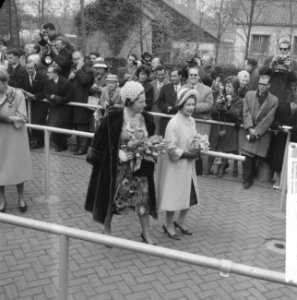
x=259 y=99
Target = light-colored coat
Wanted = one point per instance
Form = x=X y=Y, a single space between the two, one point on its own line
x=260 y=118
x=174 y=174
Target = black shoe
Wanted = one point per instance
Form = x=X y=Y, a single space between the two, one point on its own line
x=247 y=184
x=36 y=145
x=3 y=209
x=145 y=240
x=60 y=149
x=80 y=152
x=172 y=236
x=23 y=209
x=183 y=230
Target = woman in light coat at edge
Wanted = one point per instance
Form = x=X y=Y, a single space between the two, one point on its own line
x=176 y=180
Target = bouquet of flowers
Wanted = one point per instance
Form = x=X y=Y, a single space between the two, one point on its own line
x=141 y=147
x=200 y=142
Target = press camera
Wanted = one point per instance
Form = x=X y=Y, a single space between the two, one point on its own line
x=280 y=65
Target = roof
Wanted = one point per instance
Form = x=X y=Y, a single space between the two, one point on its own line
x=269 y=12
x=180 y=9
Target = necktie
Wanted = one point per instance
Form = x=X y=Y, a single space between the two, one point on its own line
x=175 y=87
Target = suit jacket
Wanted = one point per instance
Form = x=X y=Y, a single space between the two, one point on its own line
x=37 y=88
x=81 y=84
x=39 y=109
x=60 y=115
x=16 y=75
x=204 y=102
x=260 y=118
x=167 y=97
x=154 y=83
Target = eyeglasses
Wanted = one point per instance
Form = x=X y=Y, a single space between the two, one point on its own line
x=193 y=75
x=283 y=49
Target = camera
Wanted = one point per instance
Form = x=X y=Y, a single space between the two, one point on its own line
x=280 y=63
x=222 y=103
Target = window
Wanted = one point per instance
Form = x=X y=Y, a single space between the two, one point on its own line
x=259 y=47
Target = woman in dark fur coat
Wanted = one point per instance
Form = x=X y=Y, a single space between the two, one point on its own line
x=114 y=188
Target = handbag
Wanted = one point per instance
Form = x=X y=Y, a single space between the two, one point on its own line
x=93 y=101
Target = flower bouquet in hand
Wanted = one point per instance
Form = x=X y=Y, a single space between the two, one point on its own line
x=199 y=143
x=147 y=148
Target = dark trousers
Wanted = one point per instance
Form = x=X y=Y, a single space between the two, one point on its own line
x=249 y=168
x=83 y=142
x=60 y=140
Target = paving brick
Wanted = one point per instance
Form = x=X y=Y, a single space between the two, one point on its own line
x=229 y=223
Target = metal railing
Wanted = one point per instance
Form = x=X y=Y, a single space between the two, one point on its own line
x=283 y=181
x=48 y=129
x=225 y=266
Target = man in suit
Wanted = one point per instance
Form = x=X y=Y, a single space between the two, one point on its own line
x=58 y=91
x=81 y=78
x=15 y=70
x=258 y=114
x=33 y=86
x=167 y=98
x=157 y=84
x=129 y=72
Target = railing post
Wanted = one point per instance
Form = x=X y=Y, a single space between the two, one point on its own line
x=47 y=163
x=63 y=267
x=283 y=181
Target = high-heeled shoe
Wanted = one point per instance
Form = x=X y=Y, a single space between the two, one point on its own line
x=145 y=240
x=172 y=236
x=183 y=230
x=3 y=209
x=23 y=209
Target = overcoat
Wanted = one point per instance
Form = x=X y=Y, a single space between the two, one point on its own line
x=81 y=85
x=260 y=118
x=229 y=141
x=175 y=175
x=59 y=115
x=103 y=155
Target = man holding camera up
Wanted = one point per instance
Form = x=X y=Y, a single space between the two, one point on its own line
x=283 y=78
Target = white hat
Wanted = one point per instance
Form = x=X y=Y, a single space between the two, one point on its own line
x=100 y=63
x=184 y=94
x=131 y=90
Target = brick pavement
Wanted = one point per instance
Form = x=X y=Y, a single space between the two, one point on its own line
x=229 y=223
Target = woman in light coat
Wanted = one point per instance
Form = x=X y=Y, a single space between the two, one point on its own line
x=176 y=181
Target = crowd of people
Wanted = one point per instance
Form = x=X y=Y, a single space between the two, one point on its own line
x=259 y=99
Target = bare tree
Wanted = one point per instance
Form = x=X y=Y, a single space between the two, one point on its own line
x=83 y=27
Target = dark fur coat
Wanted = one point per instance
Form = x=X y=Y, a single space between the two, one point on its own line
x=103 y=155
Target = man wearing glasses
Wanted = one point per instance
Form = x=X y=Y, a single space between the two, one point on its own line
x=283 y=78
x=258 y=114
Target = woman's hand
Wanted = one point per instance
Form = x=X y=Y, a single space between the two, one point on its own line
x=190 y=154
x=18 y=121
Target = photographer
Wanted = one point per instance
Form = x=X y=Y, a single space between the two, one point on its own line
x=48 y=35
x=128 y=73
x=60 y=55
x=283 y=78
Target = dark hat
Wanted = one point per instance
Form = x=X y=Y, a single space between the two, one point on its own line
x=146 y=58
x=192 y=61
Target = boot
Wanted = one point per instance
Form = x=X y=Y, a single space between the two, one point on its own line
x=235 y=168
